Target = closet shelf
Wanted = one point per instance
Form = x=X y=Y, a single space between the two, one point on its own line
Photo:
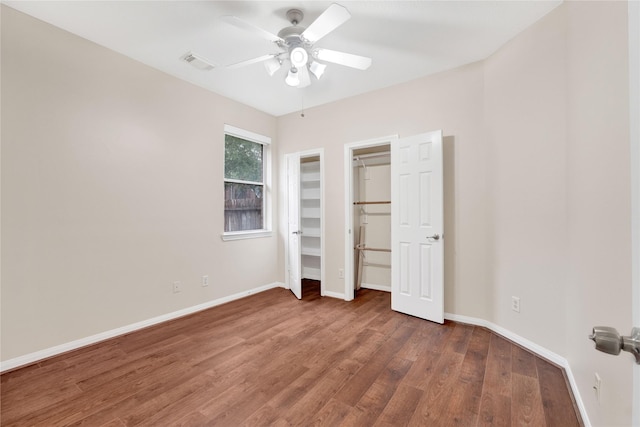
x=311 y=214
x=310 y=193
x=309 y=177
x=383 y=202
x=311 y=251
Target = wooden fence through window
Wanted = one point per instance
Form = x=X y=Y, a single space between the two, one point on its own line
x=243 y=214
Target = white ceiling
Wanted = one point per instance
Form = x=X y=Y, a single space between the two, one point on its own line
x=406 y=39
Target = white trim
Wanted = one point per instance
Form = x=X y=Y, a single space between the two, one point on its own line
x=250 y=234
x=30 y=358
x=348 y=222
x=348 y=211
x=530 y=345
x=284 y=215
x=533 y=347
x=383 y=288
x=246 y=134
x=332 y=294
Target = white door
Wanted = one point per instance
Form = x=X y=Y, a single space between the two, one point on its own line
x=294 y=268
x=417 y=247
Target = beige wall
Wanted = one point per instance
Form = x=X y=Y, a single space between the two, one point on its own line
x=450 y=101
x=537 y=198
x=111 y=190
x=525 y=154
x=598 y=208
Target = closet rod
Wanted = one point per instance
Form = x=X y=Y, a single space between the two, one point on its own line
x=371 y=155
x=367 y=248
x=383 y=202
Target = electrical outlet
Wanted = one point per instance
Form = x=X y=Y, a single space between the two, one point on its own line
x=205 y=281
x=340 y=273
x=177 y=287
x=597 y=386
x=515 y=304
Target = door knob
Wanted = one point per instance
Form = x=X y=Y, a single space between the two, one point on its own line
x=434 y=237
x=608 y=340
x=296 y=232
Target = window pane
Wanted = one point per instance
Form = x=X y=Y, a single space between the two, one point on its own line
x=243 y=207
x=242 y=159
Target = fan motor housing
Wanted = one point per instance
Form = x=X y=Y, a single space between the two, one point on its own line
x=291 y=35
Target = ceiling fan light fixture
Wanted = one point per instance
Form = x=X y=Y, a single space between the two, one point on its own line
x=292 y=78
x=298 y=57
x=296 y=45
x=272 y=65
x=317 y=69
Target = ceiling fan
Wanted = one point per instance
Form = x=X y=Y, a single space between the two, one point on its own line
x=296 y=45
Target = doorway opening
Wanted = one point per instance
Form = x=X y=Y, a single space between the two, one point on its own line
x=305 y=222
x=416 y=217
x=368 y=216
x=311 y=219
x=372 y=218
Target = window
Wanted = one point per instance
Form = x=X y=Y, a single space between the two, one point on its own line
x=246 y=184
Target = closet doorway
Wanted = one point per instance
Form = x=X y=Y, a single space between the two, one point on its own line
x=368 y=215
x=305 y=220
x=398 y=218
x=372 y=218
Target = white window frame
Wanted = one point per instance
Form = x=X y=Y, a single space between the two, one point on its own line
x=266 y=165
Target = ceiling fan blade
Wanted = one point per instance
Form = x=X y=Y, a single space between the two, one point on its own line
x=243 y=25
x=305 y=80
x=251 y=61
x=332 y=18
x=341 y=58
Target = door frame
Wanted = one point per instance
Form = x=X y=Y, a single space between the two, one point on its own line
x=349 y=243
x=318 y=152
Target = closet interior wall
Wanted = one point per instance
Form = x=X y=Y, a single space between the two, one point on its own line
x=372 y=219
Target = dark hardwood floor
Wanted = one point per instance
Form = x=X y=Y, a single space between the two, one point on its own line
x=270 y=359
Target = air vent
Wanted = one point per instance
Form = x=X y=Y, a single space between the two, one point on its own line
x=197 y=61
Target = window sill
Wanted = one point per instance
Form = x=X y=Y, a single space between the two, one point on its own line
x=239 y=235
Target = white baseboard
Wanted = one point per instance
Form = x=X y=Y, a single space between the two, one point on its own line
x=382 y=288
x=332 y=294
x=30 y=358
x=533 y=347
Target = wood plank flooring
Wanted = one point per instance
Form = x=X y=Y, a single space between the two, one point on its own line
x=271 y=360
